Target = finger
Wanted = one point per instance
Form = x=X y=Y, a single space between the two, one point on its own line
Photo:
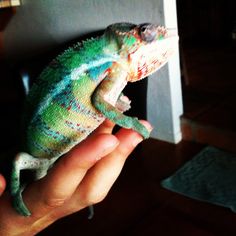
x=63 y=179
x=106 y=127
x=2 y=184
x=101 y=177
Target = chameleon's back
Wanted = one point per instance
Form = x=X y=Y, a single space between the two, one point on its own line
x=59 y=109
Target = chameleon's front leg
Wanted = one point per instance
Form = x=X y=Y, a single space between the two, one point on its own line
x=105 y=99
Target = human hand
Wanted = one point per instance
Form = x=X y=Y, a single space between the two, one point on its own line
x=81 y=178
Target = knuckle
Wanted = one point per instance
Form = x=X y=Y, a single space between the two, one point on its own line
x=68 y=162
x=124 y=151
x=54 y=202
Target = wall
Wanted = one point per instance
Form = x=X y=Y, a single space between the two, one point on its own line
x=40 y=25
x=164 y=94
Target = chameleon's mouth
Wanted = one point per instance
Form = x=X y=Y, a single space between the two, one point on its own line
x=172 y=33
x=156 y=54
x=151 y=56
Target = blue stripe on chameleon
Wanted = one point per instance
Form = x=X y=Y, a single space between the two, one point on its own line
x=44 y=149
x=99 y=65
x=79 y=127
x=103 y=63
x=67 y=100
x=48 y=131
x=55 y=90
x=95 y=72
x=99 y=62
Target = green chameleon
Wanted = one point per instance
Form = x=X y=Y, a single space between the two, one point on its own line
x=80 y=88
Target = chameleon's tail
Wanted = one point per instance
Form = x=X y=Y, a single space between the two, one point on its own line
x=91 y=212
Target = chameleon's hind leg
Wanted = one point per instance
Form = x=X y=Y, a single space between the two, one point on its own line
x=24 y=161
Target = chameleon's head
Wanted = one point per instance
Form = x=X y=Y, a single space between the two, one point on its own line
x=146 y=47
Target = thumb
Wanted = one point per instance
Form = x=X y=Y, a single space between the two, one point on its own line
x=2 y=184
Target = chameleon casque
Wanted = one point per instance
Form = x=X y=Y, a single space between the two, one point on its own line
x=80 y=88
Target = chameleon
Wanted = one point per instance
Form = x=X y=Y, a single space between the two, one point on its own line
x=82 y=87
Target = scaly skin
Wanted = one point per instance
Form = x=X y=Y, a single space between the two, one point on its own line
x=82 y=87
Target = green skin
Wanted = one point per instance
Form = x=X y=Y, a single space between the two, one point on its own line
x=82 y=87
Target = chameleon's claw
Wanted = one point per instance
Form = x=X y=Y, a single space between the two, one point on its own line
x=123 y=103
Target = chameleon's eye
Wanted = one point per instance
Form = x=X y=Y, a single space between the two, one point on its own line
x=147 y=32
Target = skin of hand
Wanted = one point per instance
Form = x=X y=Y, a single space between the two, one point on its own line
x=2 y=184
x=79 y=179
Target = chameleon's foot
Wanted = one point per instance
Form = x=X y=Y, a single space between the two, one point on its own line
x=116 y=116
x=139 y=127
x=19 y=205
